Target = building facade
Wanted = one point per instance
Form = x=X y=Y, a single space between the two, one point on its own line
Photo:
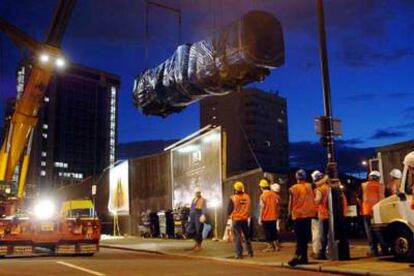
x=76 y=134
x=256 y=129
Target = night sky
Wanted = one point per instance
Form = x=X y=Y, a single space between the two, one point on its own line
x=370 y=48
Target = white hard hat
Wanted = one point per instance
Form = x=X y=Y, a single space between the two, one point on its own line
x=409 y=159
x=396 y=173
x=197 y=190
x=275 y=187
x=316 y=175
x=375 y=174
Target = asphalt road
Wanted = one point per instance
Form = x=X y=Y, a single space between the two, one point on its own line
x=119 y=262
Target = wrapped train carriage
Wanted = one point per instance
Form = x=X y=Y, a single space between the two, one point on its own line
x=242 y=53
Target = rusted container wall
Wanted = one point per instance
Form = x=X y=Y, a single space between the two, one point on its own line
x=150 y=186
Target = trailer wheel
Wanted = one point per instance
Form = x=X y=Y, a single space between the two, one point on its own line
x=403 y=244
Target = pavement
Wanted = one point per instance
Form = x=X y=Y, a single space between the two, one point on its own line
x=221 y=251
x=123 y=262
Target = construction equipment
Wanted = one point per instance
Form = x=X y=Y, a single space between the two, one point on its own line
x=393 y=217
x=73 y=230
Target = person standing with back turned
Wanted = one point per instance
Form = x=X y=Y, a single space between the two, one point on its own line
x=239 y=212
x=302 y=210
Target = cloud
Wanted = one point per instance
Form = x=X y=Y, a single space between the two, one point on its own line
x=400 y=95
x=408 y=126
x=365 y=56
x=408 y=113
x=360 y=97
x=311 y=155
x=350 y=142
x=387 y=133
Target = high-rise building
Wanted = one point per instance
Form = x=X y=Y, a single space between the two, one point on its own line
x=76 y=134
x=256 y=129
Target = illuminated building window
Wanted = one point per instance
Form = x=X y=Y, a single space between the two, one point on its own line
x=44 y=135
x=45 y=126
x=44 y=154
x=43 y=164
x=112 y=126
x=47 y=99
x=43 y=173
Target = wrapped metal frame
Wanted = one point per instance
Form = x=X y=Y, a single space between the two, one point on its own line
x=243 y=52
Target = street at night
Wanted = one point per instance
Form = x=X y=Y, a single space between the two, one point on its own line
x=214 y=137
x=117 y=262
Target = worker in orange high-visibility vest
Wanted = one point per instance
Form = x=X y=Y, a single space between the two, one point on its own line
x=315 y=229
x=239 y=212
x=321 y=199
x=372 y=193
x=302 y=210
x=269 y=213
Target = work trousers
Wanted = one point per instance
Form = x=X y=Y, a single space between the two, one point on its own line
x=324 y=231
x=302 y=228
x=373 y=238
x=270 y=230
x=316 y=236
x=197 y=226
x=241 y=227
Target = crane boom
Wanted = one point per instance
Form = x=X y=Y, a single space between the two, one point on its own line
x=25 y=116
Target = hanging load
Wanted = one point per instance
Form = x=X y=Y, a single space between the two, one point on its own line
x=243 y=52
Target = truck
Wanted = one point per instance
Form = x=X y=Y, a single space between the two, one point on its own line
x=393 y=217
x=26 y=226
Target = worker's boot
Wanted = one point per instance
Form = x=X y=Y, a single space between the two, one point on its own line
x=277 y=245
x=197 y=247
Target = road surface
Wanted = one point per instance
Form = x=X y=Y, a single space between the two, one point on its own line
x=119 y=262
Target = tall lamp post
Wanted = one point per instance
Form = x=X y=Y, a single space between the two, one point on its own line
x=338 y=245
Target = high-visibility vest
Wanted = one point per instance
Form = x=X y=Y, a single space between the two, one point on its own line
x=198 y=203
x=372 y=193
x=302 y=201
x=323 y=210
x=241 y=207
x=270 y=205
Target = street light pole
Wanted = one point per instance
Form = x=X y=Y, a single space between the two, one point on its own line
x=338 y=244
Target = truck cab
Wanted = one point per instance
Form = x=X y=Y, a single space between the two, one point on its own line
x=393 y=216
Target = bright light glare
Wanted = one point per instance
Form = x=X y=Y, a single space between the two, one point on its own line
x=44 y=58
x=188 y=148
x=44 y=209
x=60 y=62
x=214 y=203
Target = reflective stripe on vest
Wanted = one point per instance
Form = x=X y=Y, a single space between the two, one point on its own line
x=241 y=204
x=302 y=204
x=270 y=205
x=372 y=193
x=323 y=210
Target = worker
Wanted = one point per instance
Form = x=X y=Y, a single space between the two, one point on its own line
x=239 y=212
x=316 y=237
x=198 y=217
x=275 y=187
x=372 y=193
x=302 y=210
x=321 y=199
x=268 y=215
x=394 y=185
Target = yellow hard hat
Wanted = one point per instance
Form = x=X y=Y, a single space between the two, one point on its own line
x=264 y=183
x=238 y=186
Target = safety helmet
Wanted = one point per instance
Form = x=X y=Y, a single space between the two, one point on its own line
x=197 y=190
x=264 y=183
x=375 y=175
x=238 y=186
x=300 y=175
x=316 y=176
x=275 y=187
x=409 y=159
x=396 y=173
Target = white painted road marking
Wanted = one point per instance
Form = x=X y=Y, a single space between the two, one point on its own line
x=81 y=268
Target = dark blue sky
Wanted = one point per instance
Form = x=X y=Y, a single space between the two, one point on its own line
x=370 y=47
